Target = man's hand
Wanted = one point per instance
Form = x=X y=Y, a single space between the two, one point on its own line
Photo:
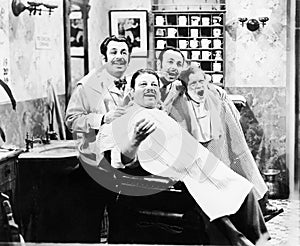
x=142 y=129
x=113 y=114
x=222 y=92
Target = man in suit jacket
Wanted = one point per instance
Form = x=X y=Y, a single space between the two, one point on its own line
x=96 y=100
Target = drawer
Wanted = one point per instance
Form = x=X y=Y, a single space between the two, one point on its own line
x=7 y=171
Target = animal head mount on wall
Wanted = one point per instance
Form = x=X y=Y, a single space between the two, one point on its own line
x=33 y=7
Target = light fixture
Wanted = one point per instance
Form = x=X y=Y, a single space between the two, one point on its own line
x=253 y=24
x=243 y=20
x=33 y=7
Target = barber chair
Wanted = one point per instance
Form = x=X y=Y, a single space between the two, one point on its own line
x=238 y=100
x=167 y=216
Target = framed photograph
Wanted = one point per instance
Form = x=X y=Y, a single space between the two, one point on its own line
x=132 y=24
x=76 y=35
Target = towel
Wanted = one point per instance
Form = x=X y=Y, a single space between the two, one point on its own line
x=172 y=152
x=54 y=112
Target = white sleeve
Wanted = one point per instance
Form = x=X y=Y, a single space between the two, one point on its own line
x=116 y=159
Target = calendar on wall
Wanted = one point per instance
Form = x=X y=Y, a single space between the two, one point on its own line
x=199 y=34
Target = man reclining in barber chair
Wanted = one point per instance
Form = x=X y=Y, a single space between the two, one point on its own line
x=225 y=200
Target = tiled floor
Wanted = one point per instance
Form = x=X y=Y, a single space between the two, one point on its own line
x=284 y=229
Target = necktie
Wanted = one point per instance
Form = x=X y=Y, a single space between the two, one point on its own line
x=163 y=92
x=120 y=83
x=163 y=89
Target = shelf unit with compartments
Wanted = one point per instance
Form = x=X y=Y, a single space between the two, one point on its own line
x=200 y=35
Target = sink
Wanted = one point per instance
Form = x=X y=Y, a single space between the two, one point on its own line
x=56 y=149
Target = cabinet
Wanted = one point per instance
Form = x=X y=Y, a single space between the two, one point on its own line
x=200 y=35
x=43 y=198
x=8 y=174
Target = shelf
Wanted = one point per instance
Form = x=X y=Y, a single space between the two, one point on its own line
x=186 y=12
x=203 y=60
x=173 y=28
x=165 y=37
x=212 y=72
x=191 y=49
x=189 y=26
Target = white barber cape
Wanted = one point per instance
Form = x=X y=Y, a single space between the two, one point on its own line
x=170 y=151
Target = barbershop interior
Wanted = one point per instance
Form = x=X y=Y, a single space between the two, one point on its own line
x=78 y=165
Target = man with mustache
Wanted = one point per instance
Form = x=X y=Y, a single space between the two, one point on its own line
x=170 y=65
x=96 y=100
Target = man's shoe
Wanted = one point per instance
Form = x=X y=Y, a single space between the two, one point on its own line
x=269 y=209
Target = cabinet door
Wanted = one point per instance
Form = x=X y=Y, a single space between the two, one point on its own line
x=8 y=178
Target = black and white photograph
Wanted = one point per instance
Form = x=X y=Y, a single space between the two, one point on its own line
x=131 y=24
x=154 y=122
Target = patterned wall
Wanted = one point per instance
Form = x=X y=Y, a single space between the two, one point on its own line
x=36 y=59
x=256 y=59
x=256 y=67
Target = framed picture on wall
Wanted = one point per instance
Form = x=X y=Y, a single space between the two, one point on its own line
x=76 y=34
x=132 y=24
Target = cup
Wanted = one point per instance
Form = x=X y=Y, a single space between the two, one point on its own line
x=183 y=44
x=194 y=43
x=195 y=54
x=195 y=20
x=157 y=54
x=195 y=64
x=182 y=20
x=185 y=53
x=217 y=67
x=217 y=32
x=218 y=55
x=217 y=78
x=172 y=32
x=217 y=43
x=194 y=33
x=160 y=32
x=160 y=44
x=159 y=20
x=205 y=43
x=205 y=55
x=216 y=20
x=205 y=21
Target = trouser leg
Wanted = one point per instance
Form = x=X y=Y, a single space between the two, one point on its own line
x=86 y=203
x=222 y=232
x=250 y=221
x=244 y=228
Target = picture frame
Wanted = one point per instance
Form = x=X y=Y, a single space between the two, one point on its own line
x=76 y=35
x=132 y=24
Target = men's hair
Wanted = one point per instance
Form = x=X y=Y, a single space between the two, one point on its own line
x=142 y=71
x=103 y=46
x=161 y=55
x=184 y=75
